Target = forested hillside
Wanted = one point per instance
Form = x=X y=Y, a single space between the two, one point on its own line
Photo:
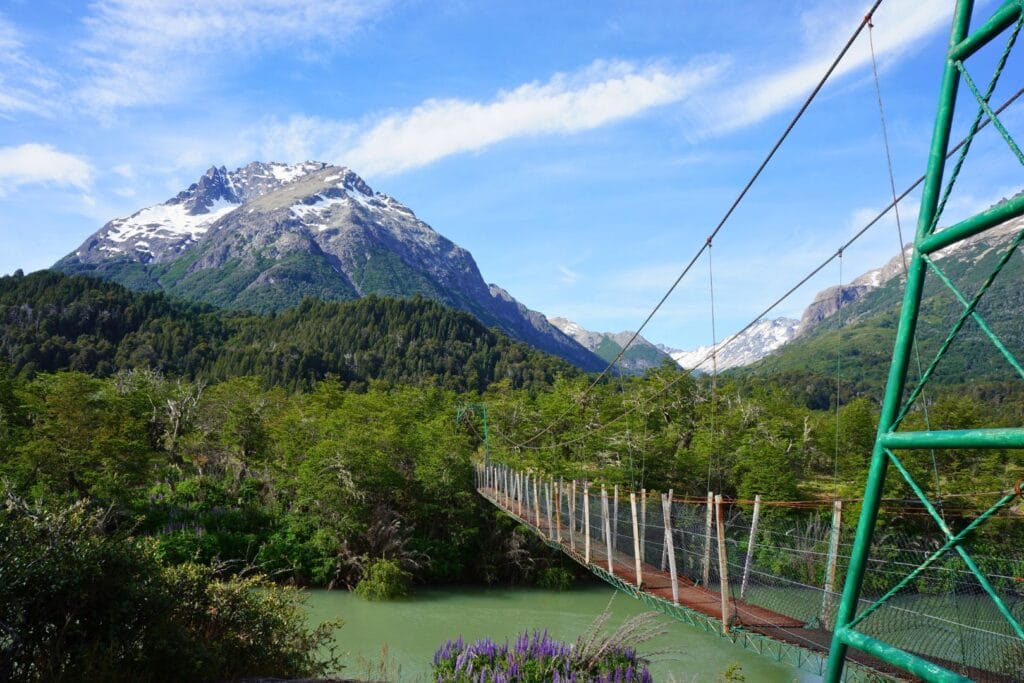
x=863 y=333
x=52 y=322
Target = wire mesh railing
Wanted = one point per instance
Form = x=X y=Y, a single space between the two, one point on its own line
x=778 y=568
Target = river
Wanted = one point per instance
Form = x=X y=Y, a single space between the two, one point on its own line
x=413 y=629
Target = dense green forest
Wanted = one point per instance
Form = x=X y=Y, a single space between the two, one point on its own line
x=51 y=322
x=320 y=447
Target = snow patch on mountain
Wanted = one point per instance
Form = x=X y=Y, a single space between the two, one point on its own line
x=169 y=219
x=761 y=339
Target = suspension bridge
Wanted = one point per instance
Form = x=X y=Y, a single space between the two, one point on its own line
x=849 y=603
x=766 y=575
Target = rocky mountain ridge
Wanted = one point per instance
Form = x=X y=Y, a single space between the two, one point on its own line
x=265 y=235
x=639 y=357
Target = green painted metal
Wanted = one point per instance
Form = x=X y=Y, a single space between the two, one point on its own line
x=1001 y=437
x=993 y=337
x=894 y=409
x=969 y=227
x=999 y=22
x=929 y=671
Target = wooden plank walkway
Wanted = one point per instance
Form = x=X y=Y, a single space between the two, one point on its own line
x=746 y=617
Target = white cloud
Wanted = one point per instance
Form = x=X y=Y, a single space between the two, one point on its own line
x=34 y=163
x=145 y=52
x=24 y=83
x=601 y=94
x=899 y=26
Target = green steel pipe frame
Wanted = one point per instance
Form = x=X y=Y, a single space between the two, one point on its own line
x=962 y=44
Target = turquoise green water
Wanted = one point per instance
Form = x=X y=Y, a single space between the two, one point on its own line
x=412 y=630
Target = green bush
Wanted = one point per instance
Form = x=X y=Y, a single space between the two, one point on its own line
x=555 y=578
x=79 y=601
x=384 y=580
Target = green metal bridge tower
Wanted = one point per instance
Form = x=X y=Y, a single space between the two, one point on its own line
x=1006 y=21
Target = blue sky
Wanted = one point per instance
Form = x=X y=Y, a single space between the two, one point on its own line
x=580 y=151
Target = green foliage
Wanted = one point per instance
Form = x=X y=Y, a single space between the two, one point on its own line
x=82 y=601
x=733 y=674
x=384 y=580
x=555 y=578
x=50 y=322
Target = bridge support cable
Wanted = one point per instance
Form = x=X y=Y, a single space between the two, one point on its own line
x=854 y=622
x=725 y=218
x=959 y=148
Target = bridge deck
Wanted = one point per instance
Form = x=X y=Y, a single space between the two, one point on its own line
x=655 y=581
x=746 y=617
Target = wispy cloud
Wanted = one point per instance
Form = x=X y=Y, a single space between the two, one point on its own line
x=567 y=276
x=34 y=163
x=24 y=82
x=147 y=52
x=899 y=26
x=603 y=93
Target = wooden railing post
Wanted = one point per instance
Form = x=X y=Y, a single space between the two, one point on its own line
x=615 y=516
x=664 y=546
x=666 y=513
x=519 y=493
x=636 y=541
x=547 y=501
x=707 y=540
x=723 y=567
x=643 y=523
x=572 y=516
x=558 y=511
x=536 y=503
x=586 y=518
x=750 y=546
x=607 y=530
x=830 y=567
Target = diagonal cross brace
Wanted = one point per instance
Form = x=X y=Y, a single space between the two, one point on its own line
x=968 y=311
x=952 y=541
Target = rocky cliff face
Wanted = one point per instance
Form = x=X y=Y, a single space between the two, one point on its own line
x=265 y=235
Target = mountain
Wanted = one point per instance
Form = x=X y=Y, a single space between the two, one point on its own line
x=639 y=357
x=864 y=335
x=760 y=340
x=51 y=322
x=266 y=235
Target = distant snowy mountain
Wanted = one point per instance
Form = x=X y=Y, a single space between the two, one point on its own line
x=640 y=356
x=763 y=338
x=265 y=235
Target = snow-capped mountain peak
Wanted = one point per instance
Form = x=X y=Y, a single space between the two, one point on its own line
x=266 y=235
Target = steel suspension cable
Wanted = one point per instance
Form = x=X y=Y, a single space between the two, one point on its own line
x=714 y=376
x=903 y=251
x=860 y=233
x=839 y=356
x=732 y=207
